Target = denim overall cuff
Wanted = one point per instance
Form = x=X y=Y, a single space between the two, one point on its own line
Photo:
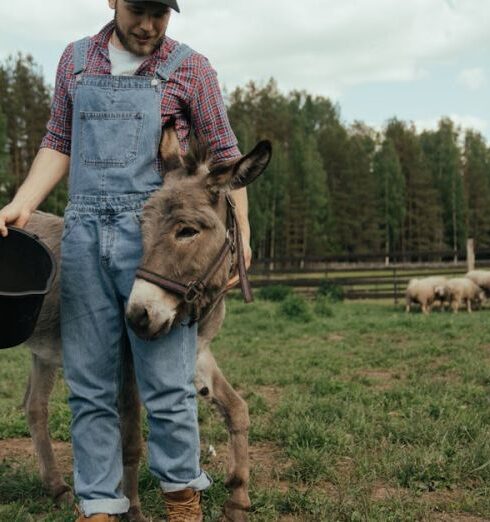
x=111 y=506
x=202 y=482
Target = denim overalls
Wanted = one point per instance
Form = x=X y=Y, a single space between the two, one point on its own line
x=115 y=138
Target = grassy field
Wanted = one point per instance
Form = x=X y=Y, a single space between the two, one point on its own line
x=359 y=413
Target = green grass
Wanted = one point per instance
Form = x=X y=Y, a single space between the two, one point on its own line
x=360 y=413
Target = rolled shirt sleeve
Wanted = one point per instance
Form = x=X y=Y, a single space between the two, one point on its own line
x=58 y=136
x=209 y=117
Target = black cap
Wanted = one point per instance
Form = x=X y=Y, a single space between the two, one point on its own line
x=170 y=3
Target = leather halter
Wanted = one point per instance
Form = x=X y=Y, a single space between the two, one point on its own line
x=193 y=291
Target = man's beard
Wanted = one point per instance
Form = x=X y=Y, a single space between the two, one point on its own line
x=126 y=43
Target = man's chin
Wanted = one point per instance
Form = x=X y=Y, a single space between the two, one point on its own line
x=142 y=49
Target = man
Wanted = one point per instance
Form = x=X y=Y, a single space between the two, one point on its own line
x=113 y=93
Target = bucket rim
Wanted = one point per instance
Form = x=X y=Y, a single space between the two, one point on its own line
x=54 y=267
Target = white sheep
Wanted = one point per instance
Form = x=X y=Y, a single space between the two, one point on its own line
x=481 y=278
x=422 y=292
x=460 y=290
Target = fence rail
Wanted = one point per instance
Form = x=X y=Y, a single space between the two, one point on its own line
x=361 y=278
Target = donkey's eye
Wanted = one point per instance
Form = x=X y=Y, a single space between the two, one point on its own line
x=186 y=233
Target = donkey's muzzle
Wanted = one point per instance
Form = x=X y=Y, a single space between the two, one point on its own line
x=139 y=320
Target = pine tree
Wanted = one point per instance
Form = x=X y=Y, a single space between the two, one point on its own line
x=309 y=213
x=477 y=180
x=423 y=227
x=445 y=162
x=391 y=194
x=332 y=139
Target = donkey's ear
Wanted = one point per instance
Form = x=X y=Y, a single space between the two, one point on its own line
x=170 y=147
x=242 y=172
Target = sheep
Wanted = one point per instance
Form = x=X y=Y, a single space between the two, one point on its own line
x=481 y=278
x=421 y=291
x=460 y=290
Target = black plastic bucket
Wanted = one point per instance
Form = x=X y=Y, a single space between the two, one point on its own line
x=27 y=270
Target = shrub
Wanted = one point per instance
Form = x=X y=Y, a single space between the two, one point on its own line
x=331 y=290
x=295 y=307
x=275 y=292
x=323 y=306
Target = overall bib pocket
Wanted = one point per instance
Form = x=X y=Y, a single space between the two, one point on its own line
x=109 y=139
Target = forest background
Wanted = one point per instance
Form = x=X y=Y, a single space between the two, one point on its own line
x=330 y=188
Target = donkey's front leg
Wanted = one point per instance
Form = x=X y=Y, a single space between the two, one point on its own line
x=39 y=388
x=132 y=440
x=212 y=385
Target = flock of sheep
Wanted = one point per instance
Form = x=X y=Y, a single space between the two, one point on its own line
x=470 y=290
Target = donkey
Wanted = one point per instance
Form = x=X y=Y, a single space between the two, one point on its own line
x=184 y=225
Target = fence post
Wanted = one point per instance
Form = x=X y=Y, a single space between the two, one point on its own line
x=395 y=285
x=470 y=254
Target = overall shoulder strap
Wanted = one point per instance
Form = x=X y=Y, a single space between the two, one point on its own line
x=80 y=50
x=173 y=61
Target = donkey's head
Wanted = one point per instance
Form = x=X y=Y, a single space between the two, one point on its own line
x=184 y=230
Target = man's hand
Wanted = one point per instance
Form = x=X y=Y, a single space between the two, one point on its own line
x=13 y=214
x=241 y=209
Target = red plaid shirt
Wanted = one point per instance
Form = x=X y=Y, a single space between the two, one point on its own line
x=192 y=96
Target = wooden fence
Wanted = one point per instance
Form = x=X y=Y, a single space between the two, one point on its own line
x=370 y=276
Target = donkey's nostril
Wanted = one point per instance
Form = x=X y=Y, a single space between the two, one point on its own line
x=138 y=317
x=204 y=391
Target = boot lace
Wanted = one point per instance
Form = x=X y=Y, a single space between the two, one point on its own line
x=184 y=510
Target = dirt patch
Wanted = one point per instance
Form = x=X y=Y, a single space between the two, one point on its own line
x=379 y=378
x=268 y=466
x=266 y=461
x=271 y=394
x=438 y=362
x=441 y=370
x=265 y=455
x=382 y=492
x=437 y=501
x=345 y=467
x=456 y=517
x=22 y=452
x=334 y=337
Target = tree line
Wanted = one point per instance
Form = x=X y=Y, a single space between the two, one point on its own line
x=351 y=189
x=331 y=188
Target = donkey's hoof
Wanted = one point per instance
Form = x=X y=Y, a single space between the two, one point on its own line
x=233 y=512
x=63 y=496
x=135 y=515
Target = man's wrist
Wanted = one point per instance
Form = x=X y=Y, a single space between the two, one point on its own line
x=245 y=232
x=24 y=203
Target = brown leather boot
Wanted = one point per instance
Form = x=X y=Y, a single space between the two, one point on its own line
x=183 y=506
x=100 y=517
